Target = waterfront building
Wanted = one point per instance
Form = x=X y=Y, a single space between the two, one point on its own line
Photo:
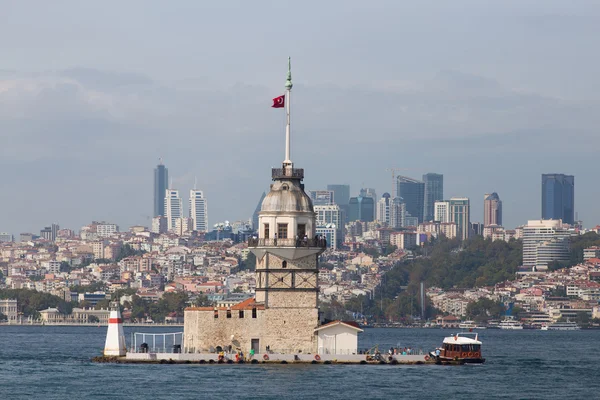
x=173 y=207
x=492 y=209
x=434 y=191
x=558 y=197
x=161 y=179
x=460 y=214
x=9 y=307
x=284 y=315
x=256 y=211
x=198 y=211
x=327 y=215
x=412 y=193
x=322 y=197
x=6 y=237
x=544 y=241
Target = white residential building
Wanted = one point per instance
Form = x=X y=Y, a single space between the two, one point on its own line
x=159 y=225
x=544 y=241
x=198 y=210
x=442 y=211
x=106 y=230
x=173 y=207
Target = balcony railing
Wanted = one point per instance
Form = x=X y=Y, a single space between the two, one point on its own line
x=282 y=173
x=305 y=243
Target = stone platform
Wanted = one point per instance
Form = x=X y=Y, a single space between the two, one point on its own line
x=213 y=358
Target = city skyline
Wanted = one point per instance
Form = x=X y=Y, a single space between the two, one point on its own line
x=458 y=108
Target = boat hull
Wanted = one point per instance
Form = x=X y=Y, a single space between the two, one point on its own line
x=456 y=360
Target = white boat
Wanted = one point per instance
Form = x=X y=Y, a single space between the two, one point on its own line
x=544 y=327
x=510 y=324
x=563 y=326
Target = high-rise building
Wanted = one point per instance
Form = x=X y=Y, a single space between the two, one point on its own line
x=341 y=196
x=442 y=211
x=460 y=214
x=434 y=191
x=328 y=216
x=322 y=197
x=161 y=180
x=492 y=210
x=544 y=241
x=256 y=211
x=369 y=192
x=198 y=211
x=50 y=232
x=6 y=237
x=397 y=213
x=558 y=197
x=361 y=209
x=383 y=209
x=173 y=207
x=412 y=193
x=159 y=225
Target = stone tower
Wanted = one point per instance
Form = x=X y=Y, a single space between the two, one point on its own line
x=287 y=250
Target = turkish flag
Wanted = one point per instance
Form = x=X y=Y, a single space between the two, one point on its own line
x=279 y=102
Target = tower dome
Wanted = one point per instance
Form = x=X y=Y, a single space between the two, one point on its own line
x=287 y=196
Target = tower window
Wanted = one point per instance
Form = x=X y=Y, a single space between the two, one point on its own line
x=241 y=315
x=284 y=264
x=301 y=230
x=266 y=231
x=254 y=312
x=282 y=231
x=216 y=313
x=228 y=313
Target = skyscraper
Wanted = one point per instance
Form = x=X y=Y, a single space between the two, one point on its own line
x=361 y=209
x=256 y=211
x=329 y=215
x=161 y=179
x=434 y=191
x=460 y=214
x=341 y=197
x=442 y=211
x=558 y=197
x=383 y=209
x=173 y=207
x=198 y=211
x=492 y=210
x=322 y=197
x=412 y=193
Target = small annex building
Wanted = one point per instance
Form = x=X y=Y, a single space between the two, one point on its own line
x=338 y=337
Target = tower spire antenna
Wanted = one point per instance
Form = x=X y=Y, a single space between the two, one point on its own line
x=288 y=89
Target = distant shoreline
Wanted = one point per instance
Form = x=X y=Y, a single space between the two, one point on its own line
x=96 y=324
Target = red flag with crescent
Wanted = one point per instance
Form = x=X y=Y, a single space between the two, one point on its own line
x=279 y=102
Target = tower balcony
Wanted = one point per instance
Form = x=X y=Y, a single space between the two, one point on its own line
x=287 y=173
x=288 y=243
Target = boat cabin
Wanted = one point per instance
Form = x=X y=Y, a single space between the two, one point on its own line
x=462 y=346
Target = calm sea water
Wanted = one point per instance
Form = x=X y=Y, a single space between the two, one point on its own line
x=54 y=363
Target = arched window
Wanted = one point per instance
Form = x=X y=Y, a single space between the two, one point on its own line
x=284 y=264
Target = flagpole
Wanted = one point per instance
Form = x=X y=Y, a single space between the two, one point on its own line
x=288 y=87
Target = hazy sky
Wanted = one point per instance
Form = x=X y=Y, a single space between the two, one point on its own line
x=491 y=94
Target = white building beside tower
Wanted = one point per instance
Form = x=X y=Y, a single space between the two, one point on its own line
x=198 y=210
